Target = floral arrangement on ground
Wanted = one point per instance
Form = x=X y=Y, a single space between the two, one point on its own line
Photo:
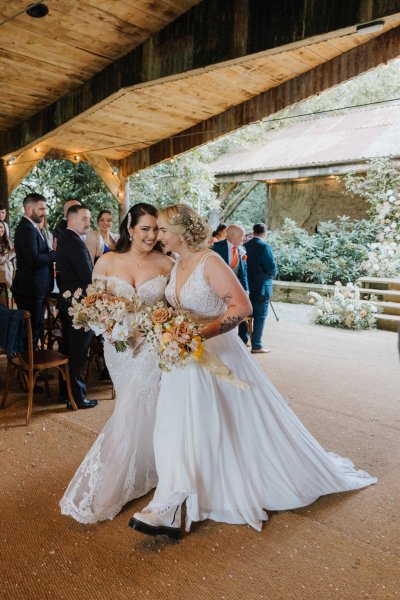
x=344 y=308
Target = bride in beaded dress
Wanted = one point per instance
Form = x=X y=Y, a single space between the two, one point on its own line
x=120 y=465
x=231 y=454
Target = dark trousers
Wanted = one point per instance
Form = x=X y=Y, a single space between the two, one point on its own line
x=75 y=344
x=36 y=306
x=243 y=332
x=260 y=312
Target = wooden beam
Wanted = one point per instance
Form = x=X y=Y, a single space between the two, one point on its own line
x=222 y=197
x=107 y=172
x=19 y=167
x=212 y=32
x=238 y=199
x=349 y=64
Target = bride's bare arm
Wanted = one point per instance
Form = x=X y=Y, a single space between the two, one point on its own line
x=227 y=286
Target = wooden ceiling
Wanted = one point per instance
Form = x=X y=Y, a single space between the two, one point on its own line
x=132 y=82
x=142 y=116
x=43 y=59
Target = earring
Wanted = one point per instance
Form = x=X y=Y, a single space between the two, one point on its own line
x=130 y=238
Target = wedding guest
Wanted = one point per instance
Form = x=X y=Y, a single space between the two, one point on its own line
x=74 y=267
x=46 y=233
x=62 y=223
x=220 y=233
x=101 y=240
x=6 y=256
x=231 y=250
x=34 y=277
x=261 y=268
x=3 y=218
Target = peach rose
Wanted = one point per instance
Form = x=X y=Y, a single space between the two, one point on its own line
x=161 y=315
x=90 y=300
x=167 y=338
x=181 y=333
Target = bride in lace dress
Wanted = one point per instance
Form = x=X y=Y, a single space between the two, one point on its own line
x=231 y=454
x=120 y=465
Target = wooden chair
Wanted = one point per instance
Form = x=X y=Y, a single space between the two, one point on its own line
x=53 y=327
x=29 y=364
x=249 y=323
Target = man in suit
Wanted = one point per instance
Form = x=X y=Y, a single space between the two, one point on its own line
x=34 y=277
x=230 y=250
x=74 y=267
x=261 y=268
x=62 y=223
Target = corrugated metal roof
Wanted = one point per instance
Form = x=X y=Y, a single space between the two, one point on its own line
x=326 y=140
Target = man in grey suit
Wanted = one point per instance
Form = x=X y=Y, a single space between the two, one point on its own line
x=261 y=268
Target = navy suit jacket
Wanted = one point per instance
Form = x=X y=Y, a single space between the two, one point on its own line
x=74 y=265
x=221 y=248
x=261 y=267
x=35 y=274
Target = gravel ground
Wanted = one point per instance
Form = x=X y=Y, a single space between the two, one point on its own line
x=297 y=313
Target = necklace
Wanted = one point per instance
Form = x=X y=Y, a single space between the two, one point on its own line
x=136 y=264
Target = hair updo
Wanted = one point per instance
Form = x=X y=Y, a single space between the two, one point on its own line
x=188 y=223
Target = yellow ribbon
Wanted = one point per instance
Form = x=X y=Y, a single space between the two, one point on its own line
x=216 y=367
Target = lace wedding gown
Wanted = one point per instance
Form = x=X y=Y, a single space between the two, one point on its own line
x=235 y=453
x=120 y=465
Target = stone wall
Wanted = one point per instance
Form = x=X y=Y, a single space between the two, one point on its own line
x=311 y=201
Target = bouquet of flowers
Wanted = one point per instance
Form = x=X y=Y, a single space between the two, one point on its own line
x=106 y=314
x=344 y=308
x=174 y=335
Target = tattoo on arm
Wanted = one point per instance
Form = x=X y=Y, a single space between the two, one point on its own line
x=227 y=299
x=229 y=323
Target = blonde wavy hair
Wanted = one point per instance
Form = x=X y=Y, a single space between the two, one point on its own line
x=185 y=221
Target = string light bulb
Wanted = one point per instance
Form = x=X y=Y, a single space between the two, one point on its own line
x=114 y=170
x=77 y=157
x=37 y=149
x=11 y=160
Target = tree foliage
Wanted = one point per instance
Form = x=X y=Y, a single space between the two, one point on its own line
x=185 y=179
x=61 y=180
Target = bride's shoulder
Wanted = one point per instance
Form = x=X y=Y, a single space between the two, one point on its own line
x=165 y=262
x=104 y=264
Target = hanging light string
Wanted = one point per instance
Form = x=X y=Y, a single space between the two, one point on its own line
x=216 y=132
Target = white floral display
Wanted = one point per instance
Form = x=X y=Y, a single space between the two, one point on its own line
x=381 y=187
x=344 y=308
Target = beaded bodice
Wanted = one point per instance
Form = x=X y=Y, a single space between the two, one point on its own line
x=196 y=294
x=149 y=292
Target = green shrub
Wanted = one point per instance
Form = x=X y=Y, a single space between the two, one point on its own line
x=336 y=252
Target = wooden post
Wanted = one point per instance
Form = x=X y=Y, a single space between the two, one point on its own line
x=123 y=200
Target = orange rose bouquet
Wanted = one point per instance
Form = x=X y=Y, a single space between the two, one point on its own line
x=174 y=335
x=106 y=314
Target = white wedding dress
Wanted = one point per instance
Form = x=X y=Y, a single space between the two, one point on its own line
x=120 y=465
x=233 y=453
